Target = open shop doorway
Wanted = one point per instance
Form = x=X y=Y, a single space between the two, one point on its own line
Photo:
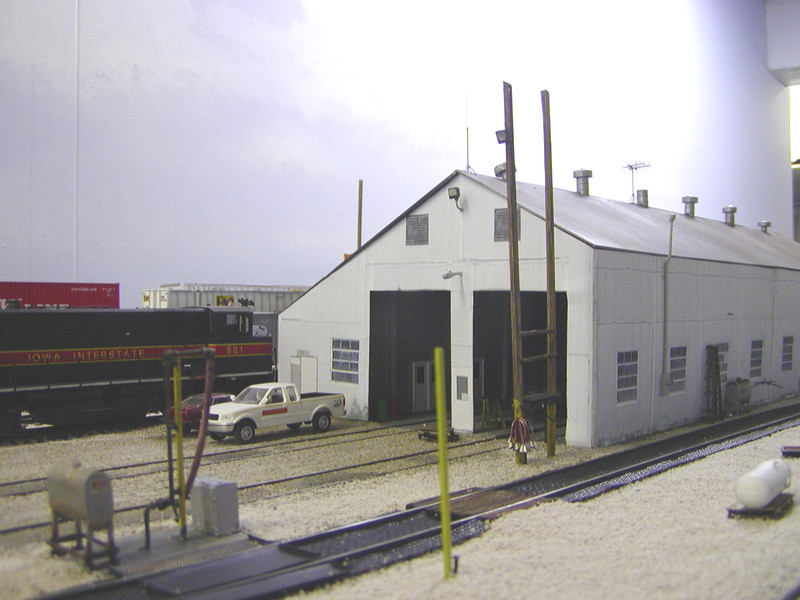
x=492 y=347
x=405 y=327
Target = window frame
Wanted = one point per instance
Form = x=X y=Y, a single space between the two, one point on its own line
x=787 y=353
x=722 y=350
x=345 y=360
x=627 y=387
x=678 y=361
x=756 y=358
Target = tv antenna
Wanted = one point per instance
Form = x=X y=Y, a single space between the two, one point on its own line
x=633 y=167
x=469 y=169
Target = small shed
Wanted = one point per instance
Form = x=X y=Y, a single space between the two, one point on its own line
x=641 y=293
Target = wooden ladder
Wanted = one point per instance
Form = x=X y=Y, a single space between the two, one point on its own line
x=491 y=414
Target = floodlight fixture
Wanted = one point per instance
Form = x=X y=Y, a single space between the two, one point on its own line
x=501 y=136
x=454 y=194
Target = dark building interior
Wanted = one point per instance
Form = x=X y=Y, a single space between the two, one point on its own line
x=405 y=327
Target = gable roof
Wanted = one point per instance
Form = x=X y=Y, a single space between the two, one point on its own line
x=625 y=226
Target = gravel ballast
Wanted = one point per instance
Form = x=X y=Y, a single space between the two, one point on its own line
x=668 y=536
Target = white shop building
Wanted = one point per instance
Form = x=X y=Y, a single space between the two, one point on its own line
x=438 y=275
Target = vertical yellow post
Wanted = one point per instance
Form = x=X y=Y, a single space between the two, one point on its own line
x=176 y=407
x=441 y=429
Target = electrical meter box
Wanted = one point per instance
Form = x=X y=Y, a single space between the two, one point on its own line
x=215 y=506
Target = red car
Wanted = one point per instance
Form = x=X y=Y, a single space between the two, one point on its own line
x=192 y=408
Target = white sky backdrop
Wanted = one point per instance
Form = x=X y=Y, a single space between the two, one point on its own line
x=222 y=142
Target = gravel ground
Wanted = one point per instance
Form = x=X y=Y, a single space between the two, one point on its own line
x=665 y=537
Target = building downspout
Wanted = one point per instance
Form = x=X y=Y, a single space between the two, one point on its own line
x=665 y=379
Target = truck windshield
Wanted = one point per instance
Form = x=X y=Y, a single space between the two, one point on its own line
x=250 y=396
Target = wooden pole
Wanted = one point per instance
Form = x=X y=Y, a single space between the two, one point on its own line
x=360 y=203
x=513 y=263
x=550 y=429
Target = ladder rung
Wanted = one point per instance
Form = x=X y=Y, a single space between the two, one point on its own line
x=537 y=332
x=527 y=359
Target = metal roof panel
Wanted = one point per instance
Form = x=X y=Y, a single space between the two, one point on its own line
x=626 y=226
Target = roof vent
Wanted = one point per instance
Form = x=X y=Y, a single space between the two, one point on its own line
x=688 y=205
x=641 y=198
x=765 y=225
x=582 y=177
x=729 y=211
x=500 y=171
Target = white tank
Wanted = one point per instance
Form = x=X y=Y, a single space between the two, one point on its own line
x=762 y=485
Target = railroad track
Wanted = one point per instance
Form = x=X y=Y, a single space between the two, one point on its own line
x=32 y=433
x=297 y=443
x=255 y=491
x=280 y=568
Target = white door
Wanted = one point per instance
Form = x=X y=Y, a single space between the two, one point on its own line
x=304 y=373
x=422 y=386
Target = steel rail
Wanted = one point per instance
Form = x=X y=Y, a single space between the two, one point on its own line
x=324 y=557
x=245 y=487
x=39 y=483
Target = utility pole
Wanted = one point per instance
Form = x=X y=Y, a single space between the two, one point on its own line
x=550 y=429
x=360 y=204
x=518 y=440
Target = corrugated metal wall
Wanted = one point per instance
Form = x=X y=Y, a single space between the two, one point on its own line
x=710 y=303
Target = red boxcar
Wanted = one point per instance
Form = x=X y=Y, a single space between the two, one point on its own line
x=35 y=294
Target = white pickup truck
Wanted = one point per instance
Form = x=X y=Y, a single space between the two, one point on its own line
x=268 y=404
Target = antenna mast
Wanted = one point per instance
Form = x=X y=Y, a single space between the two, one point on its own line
x=466 y=125
x=633 y=167
x=468 y=167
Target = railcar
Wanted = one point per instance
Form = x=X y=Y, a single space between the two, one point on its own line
x=83 y=366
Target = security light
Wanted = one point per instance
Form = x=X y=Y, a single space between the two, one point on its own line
x=451 y=274
x=501 y=136
x=500 y=171
x=454 y=193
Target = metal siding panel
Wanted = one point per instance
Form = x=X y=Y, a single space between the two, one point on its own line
x=621 y=421
x=785 y=381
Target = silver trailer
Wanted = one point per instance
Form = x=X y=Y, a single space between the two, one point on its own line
x=262 y=298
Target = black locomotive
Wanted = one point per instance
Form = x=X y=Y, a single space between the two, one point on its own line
x=81 y=366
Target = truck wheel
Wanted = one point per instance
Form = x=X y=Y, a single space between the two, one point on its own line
x=217 y=436
x=293 y=425
x=322 y=421
x=244 y=431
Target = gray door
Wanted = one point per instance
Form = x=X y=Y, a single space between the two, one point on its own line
x=422 y=389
